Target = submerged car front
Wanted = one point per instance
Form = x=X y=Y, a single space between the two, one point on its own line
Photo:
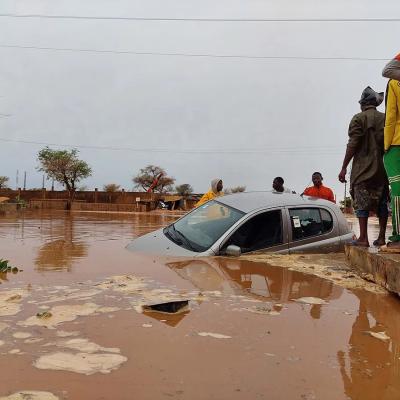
x=193 y=235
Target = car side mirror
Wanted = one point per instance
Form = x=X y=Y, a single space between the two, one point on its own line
x=233 y=250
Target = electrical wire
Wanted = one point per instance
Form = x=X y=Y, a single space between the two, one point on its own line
x=198 y=55
x=176 y=19
x=302 y=150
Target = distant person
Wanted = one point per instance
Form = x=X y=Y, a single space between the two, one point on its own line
x=392 y=147
x=215 y=191
x=368 y=181
x=277 y=185
x=319 y=190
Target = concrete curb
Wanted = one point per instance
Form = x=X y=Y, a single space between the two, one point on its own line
x=380 y=268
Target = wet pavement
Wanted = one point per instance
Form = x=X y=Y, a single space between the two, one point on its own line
x=72 y=322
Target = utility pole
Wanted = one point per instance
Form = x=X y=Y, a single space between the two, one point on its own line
x=43 y=182
x=24 y=180
x=17 y=179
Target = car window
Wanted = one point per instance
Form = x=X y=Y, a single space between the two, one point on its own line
x=308 y=222
x=200 y=229
x=259 y=232
x=327 y=220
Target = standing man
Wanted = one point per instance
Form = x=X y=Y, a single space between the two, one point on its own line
x=392 y=147
x=319 y=190
x=368 y=182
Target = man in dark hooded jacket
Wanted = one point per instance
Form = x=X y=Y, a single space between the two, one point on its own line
x=368 y=180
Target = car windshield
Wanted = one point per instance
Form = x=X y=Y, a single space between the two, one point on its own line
x=200 y=229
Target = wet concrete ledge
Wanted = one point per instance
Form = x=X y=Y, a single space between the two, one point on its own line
x=380 y=268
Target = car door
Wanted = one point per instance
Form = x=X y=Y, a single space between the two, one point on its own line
x=264 y=230
x=313 y=228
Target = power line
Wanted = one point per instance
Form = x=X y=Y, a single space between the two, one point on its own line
x=175 y=19
x=197 y=55
x=331 y=150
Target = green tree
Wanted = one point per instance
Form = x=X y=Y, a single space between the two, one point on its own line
x=3 y=181
x=184 y=190
x=111 y=187
x=153 y=175
x=64 y=167
x=347 y=203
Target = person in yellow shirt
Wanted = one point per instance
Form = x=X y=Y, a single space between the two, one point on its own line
x=392 y=148
x=215 y=191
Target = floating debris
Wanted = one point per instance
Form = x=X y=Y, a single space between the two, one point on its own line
x=62 y=333
x=30 y=395
x=85 y=346
x=310 y=300
x=21 y=335
x=379 y=335
x=60 y=314
x=6 y=267
x=10 y=302
x=81 y=363
x=214 y=335
x=108 y=309
x=170 y=307
x=72 y=294
x=147 y=325
x=44 y=315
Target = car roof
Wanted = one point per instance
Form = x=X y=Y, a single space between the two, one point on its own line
x=252 y=201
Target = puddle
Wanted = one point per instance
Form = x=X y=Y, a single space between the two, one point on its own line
x=304 y=321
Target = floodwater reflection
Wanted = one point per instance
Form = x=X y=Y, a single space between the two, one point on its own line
x=60 y=254
x=259 y=280
x=370 y=367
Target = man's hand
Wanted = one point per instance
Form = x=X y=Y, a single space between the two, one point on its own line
x=342 y=175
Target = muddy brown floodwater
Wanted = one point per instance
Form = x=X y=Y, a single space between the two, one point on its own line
x=72 y=324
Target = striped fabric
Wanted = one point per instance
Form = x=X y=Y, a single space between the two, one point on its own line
x=392 y=166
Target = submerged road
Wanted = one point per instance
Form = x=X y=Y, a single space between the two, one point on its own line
x=72 y=326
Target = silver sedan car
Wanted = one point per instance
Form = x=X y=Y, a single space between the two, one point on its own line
x=249 y=222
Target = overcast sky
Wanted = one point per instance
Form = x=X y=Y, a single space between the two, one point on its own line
x=245 y=120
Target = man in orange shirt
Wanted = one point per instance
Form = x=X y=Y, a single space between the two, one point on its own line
x=319 y=190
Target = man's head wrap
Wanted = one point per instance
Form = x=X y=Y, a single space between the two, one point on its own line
x=371 y=98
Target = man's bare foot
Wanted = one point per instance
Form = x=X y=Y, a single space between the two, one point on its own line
x=379 y=242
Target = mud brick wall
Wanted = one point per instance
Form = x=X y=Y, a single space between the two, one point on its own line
x=93 y=196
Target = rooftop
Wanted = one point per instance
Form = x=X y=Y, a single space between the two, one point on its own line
x=251 y=201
